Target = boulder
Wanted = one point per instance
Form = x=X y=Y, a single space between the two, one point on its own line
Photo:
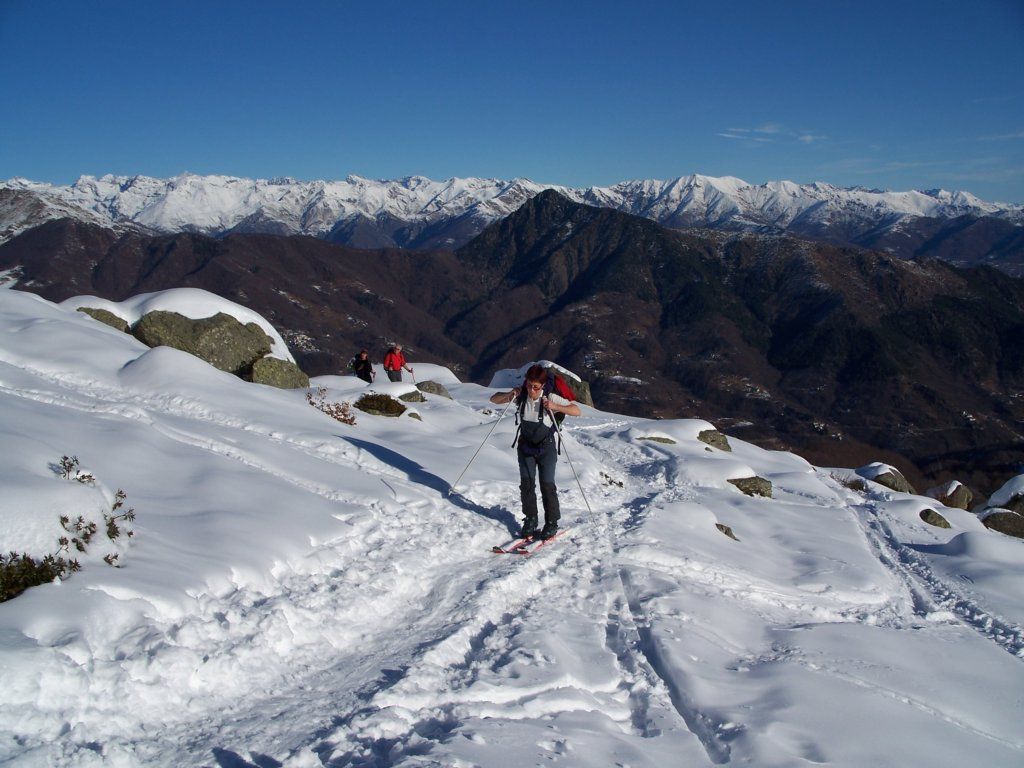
x=413 y=397
x=932 y=517
x=952 y=494
x=283 y=374
x=726 y=530
x=658 y=439
x=221 y=340
x=1010 y=496
x=754 y=486
x=1015 y=504
x=433 y=388
x=580 y=389
x=715 y=439
x=106 y=317
x=1005 y=521
x=890 y=477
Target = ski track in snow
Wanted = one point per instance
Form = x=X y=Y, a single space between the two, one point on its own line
x=928 y=593
x=451 y=642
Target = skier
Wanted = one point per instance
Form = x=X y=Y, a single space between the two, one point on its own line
x=363 y=367
x=394 y=362
x=535 y=447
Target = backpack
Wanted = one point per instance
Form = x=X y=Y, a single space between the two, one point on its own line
x=556 y=384
x=560 y=388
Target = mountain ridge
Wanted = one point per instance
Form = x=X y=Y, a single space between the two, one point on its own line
x=417 y=212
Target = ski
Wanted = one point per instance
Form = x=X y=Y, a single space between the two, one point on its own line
x=510 y=547
x=531 y=546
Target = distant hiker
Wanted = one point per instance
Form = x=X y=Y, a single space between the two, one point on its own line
x=394 y=362
x=535 y=446
x=363 y=367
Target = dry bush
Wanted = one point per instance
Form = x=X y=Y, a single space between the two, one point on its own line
x=339 y=411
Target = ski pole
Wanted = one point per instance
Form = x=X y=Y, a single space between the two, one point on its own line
x=452 y=488
x=568 y=458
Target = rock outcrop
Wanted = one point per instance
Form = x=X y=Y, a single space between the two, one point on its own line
x=1004 y=520
x=754 y=486
x=886 y=475
x=1005 y=509
x=107 y=318
x=932 y=517
x=952 y=494
x=434 y=388
x=726 y=530
x=283 y=374
x=715 y=439
x=221 y=340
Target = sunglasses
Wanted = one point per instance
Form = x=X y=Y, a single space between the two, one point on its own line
x=535 y=386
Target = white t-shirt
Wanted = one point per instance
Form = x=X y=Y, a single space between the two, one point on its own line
x=532 y=410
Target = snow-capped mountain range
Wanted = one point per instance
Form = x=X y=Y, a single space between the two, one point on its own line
x=419 y=212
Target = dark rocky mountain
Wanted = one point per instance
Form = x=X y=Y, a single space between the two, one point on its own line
x=841 y=354
x=838 y=353
x=965 y=241
x=327 y=300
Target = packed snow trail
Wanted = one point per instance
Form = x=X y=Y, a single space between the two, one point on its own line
x=289 y=616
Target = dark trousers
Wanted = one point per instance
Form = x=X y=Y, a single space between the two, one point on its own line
x=529 y=466
x=395 y=375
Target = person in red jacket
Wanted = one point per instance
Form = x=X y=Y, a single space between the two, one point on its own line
x=394 y=362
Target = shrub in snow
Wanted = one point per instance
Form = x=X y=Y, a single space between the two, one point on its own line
x=852 y=483
x=18 y=572
x=68 y=467
x=609 y=480
x=380 y=405
x=113 y=529
x=81 y=532
x=339 y=411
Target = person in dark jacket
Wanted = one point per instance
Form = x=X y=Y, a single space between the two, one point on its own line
x=536 y=448
x=363 y=367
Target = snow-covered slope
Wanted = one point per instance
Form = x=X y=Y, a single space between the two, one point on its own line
x=218 y=204
x=300 y=592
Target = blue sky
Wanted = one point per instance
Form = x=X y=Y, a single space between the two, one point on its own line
x=897 y=95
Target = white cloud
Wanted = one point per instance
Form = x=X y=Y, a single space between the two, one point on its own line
x=771 y=132
x=1004 y=136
